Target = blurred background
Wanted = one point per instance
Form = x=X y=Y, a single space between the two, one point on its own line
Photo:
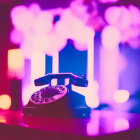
x=96 y=38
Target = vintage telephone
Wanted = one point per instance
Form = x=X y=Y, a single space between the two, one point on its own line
x=58 y=100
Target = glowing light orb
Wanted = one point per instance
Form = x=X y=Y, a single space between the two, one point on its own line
x=2 y=120
x=22 y=18
x=35 y=8
x=121 y=124
x=112 y=15
x=125 y=19
x=17 y=10
x=108 y=1
x=135 y=15
x=79 y=10
x=121 y=96
x=5 y=101
x=27 y=49
x=16 y=36
x=43 y=22
x=110 y=37
x=55 y=44
x=118 y=16
x=92 y=101
x=15 y=63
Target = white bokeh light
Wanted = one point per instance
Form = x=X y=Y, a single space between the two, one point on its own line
x=121 y=96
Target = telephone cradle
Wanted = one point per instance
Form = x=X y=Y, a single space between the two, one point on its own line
x=58 y=100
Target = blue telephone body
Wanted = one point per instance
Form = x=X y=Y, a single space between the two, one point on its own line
x=58 y=100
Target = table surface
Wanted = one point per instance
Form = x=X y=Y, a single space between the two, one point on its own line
x=99 y=125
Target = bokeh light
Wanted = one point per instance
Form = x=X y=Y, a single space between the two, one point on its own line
x=22 y=18
x=43 y=22
x=121 y=124
x=5 y=101
x=135 y=14
x=35 y=8
x=110 y=37
x=2 y=120
x=121 y=96
x=16 y=36
x=108 y=1
x=112 y=15
x=91 y=97
x=15 y=63
x=92 y=101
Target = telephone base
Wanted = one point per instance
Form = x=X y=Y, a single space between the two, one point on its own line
x=77 y=112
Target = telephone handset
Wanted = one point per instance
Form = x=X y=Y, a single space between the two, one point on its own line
x=74 y=79
x=56 y=100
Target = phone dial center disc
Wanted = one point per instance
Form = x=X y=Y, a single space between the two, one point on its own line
x=49 y=94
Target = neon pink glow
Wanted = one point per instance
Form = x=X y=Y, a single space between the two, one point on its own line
x=121 y=96
x=135 y=14
x=16 y=36
x=118 y=16
x=110 y=37
x=38 y=30
x=93 y=129
x=130 y=33
x=79 y=10
x=17 y=10
x=5 y=101
x=112 y=15
x=125 y=18
x=78 y=31
x=127 y=21
x=107 y=1
x=43 y=22
x=121 y=124
x=27 y=49
x=35 y=8
x=55 y=44
x=22 y=18
x=134 y=42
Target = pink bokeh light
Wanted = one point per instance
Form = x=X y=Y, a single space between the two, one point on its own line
x=43 y=22
x=112 y=15
x=118 y=16
x=135 y=15
x=108 y=1
x=16 y=36
x=110 y=37
x=22 y=18
x=35 y=8
x=127 y=21
x=121 y=124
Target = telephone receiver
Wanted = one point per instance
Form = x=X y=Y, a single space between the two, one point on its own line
x=58 y=100
x=75 y=80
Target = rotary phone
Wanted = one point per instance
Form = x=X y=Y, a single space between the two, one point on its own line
x=58 y=100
